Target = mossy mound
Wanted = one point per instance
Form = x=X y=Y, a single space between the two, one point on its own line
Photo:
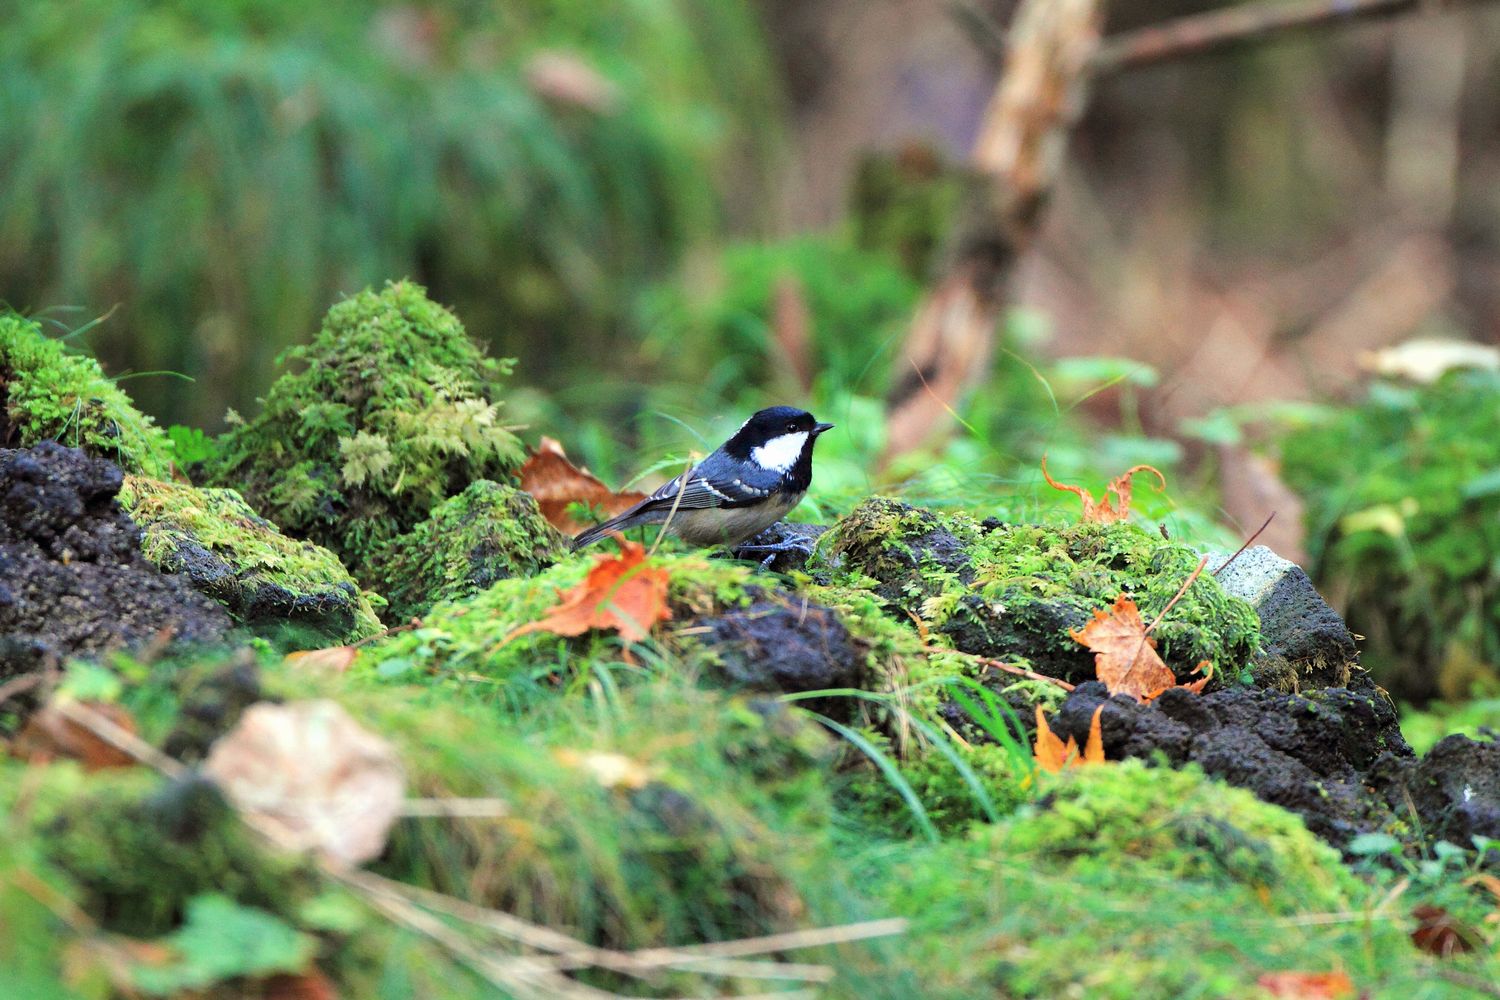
x=50 y=394
x=394 y=409
x=1013 y=591
x=224 y=549
x=1131 y=882
x=462 y=640
x=489 y=532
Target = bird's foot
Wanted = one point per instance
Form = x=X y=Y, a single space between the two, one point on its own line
x=800 y=544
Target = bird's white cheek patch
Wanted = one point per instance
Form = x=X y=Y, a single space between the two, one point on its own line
x=779 y=453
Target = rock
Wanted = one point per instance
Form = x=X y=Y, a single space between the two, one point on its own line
x=784 y=645
x=229 y=553
x=1456 y=789
x=74 y=579
x=1312 y=754
x=1304 y=642
x=488 y=532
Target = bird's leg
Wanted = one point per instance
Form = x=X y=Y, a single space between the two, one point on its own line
x=800 y=544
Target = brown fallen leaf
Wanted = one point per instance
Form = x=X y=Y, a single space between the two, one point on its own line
x=1051 y=754
x=50 y=735
x=1440 y=933
x=309 y=768
x=1105 y=511
x=557 y=483
x=621 y=592
x=1306 y=985
x=333 y=659
x=1125 y=657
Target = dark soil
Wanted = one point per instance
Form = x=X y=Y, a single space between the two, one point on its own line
x=72 y=577
x=1315 y=754
x=780 y=643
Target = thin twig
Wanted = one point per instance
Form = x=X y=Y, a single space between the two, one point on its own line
x=22 y=684
x=1248 y=542
x=1211 y=31
x=457 y=808
x=121 y=739
x=1178 y=596
x=681 y=489
x=1020 y=671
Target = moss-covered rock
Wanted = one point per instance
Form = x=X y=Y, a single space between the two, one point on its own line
x=392 y=410
x=268 y=581
x=48 y=393
x=1013 y=591
x=488 y=532
x=138 y=848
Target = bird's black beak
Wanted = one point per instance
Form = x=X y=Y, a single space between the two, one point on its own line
x=820 y=428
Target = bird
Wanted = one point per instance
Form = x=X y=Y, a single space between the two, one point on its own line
x=748 y=484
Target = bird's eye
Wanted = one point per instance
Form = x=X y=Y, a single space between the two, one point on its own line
x=791 y=427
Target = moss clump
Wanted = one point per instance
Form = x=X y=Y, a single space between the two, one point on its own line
x=47 y=393
x=1017 y=590
x=394 y=409
x=139 y=848
x=1180 y=824
x=488 y=532
x=265 y=579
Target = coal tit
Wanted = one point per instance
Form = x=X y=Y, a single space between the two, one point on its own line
x=750 y=483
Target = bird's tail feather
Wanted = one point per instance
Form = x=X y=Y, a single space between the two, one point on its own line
x=628 y=519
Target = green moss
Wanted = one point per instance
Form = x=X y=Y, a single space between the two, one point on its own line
x=1180 y=824
x=264 y=578
x=46 y=392
x=466 y=642
x=488 y=532
x=138 y=848
x=392 y=410
x=1013 y=591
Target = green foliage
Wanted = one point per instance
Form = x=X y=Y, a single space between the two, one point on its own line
x=221 y=940
x=1403 y=516
x=47 y=392
x=266 y=579
x=225 y=170
x=488 y=532
x=393 y=410
x=716 y=328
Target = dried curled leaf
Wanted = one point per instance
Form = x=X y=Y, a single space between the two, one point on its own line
x=1105 y=511
x=557 y=483
x=51 y=735
x=621 y=592
x=311 y=769
x=1051 y=754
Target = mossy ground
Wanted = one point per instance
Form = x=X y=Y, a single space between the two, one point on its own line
x=650 y=799
x=49 y=393
x=390 y=410
x=241 y=560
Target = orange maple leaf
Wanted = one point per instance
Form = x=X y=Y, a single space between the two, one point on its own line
x=1125 y=656
x=1105 y=511
x=1052 y=754
x=1306 y=985
x=557 y=484
x=621 y=592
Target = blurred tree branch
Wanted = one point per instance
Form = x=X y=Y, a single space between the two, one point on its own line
x=1245 y=22
x=1015 y=160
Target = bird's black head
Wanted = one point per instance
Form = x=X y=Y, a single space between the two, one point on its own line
x=780 y=438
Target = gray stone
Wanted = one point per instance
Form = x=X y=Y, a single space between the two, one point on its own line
x=1304 y=642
